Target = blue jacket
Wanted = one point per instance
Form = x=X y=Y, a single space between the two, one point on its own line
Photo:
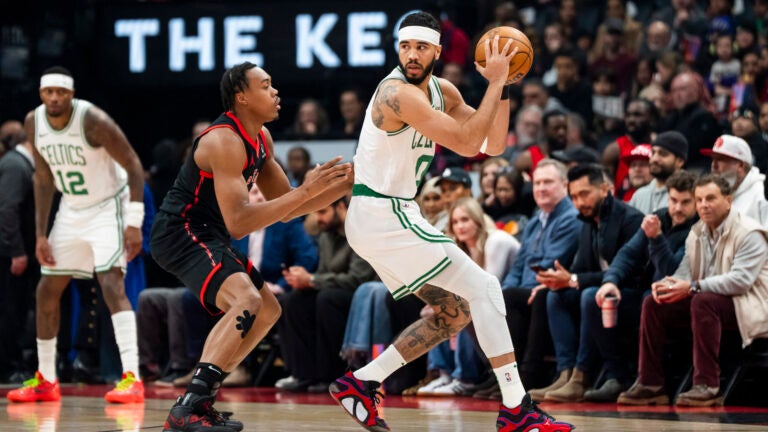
x=557 y=241
x=651 y=258
x=284 y=243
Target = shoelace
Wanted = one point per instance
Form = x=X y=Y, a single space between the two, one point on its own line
x=376 y=397
x=535 y=406
x=125 y=383
x=220 y=416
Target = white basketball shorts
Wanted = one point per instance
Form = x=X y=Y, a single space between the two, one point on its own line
x=391 y=234
x=88 y=240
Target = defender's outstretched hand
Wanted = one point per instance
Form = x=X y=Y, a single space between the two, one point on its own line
x=326 y=176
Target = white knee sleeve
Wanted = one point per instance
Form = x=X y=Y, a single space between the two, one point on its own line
x=486 y=303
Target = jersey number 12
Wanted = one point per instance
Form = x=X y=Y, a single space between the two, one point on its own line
x=75 y=183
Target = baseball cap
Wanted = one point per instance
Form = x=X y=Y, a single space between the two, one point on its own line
x=746 y=112
x=641 y=151
x=732 y=147
x=430 y=187
x=673 y=141
x=578 y=154
x=457 y=175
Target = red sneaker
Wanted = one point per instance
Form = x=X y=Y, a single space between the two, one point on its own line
x=128 y=390
x=36 y=389
x=359 y=399
x=528 y=417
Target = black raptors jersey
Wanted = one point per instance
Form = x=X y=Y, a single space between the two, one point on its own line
x=192 y=196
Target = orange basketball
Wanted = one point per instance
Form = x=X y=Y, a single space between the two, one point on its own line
x=521 y=62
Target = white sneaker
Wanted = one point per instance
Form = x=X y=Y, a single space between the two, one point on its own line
x=282 y=383
x=454 y=388
x=428 y=389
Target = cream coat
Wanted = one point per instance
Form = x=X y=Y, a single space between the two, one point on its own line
x=752 y=303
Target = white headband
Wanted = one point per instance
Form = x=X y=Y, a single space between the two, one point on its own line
x=420 y=33
x=57 y=80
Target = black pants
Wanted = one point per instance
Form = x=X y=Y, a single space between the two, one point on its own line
x=17 y=302
x=529 y=328
x=312 y=332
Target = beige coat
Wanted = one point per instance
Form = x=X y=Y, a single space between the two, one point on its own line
x=752 y=304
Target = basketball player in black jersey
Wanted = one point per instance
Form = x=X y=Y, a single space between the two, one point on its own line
x=206 y=207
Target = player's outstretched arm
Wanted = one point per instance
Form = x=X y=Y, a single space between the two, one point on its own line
x=221 y=153
x=274 y=183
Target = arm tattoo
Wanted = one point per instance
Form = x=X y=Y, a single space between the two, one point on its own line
x=451 y=315
x=387 y=96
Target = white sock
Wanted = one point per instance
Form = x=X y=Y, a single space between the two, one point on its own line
x=512 y=390
x=46 y=358
x=124 y=323
x=382 y=366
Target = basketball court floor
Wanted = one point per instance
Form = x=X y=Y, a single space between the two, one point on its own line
x=83 y=409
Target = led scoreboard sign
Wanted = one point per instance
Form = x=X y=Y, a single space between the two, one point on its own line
x=294 y=41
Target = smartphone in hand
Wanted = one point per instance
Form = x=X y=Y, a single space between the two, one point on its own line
x=536 y=268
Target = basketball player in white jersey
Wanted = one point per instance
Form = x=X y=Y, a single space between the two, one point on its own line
x=409 y=112
x=84 y=154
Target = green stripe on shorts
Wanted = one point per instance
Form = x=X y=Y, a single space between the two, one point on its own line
x=422 y=280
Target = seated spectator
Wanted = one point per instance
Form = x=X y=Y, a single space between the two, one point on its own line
x=639 y=172
x=653 y=252
x=571 y=89
x=574 y=318
x=432 y=204
x=576 y=155
x=311 y=121
x=528 y=131
x=639 y=122
x=505 y=208
x=721 y=284
x=692 y=116
x=162 y=339
x=555 y=134
x=744 y=126
x=299 y=163
x=669 y=151
x=724 y=73
x=551 y=235
x=732 y=160
x=315 y=310
x=351 y=108
x=488 y=170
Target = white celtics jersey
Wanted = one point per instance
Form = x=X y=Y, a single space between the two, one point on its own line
x=394 y=163
x=84 y=175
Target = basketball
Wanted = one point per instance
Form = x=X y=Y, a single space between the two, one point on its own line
x=521 y=63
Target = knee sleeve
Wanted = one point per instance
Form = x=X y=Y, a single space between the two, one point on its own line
x=486 y=303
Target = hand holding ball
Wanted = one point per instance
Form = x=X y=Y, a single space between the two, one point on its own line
x=520 y=63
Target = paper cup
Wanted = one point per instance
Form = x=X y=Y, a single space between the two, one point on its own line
x=610 y=310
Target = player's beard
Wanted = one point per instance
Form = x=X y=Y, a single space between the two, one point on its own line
x=418 y=80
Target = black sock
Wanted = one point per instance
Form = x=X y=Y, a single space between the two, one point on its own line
x=206 y=378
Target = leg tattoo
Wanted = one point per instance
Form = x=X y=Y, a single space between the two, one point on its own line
x=451 y=315
x=244 y=323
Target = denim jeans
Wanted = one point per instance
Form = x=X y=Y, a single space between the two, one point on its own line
x=569 y=310
x=463 y=363
x=368 y=322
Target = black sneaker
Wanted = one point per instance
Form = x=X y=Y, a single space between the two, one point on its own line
x=527 y=416
x=359 y=399
x=190 y=414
